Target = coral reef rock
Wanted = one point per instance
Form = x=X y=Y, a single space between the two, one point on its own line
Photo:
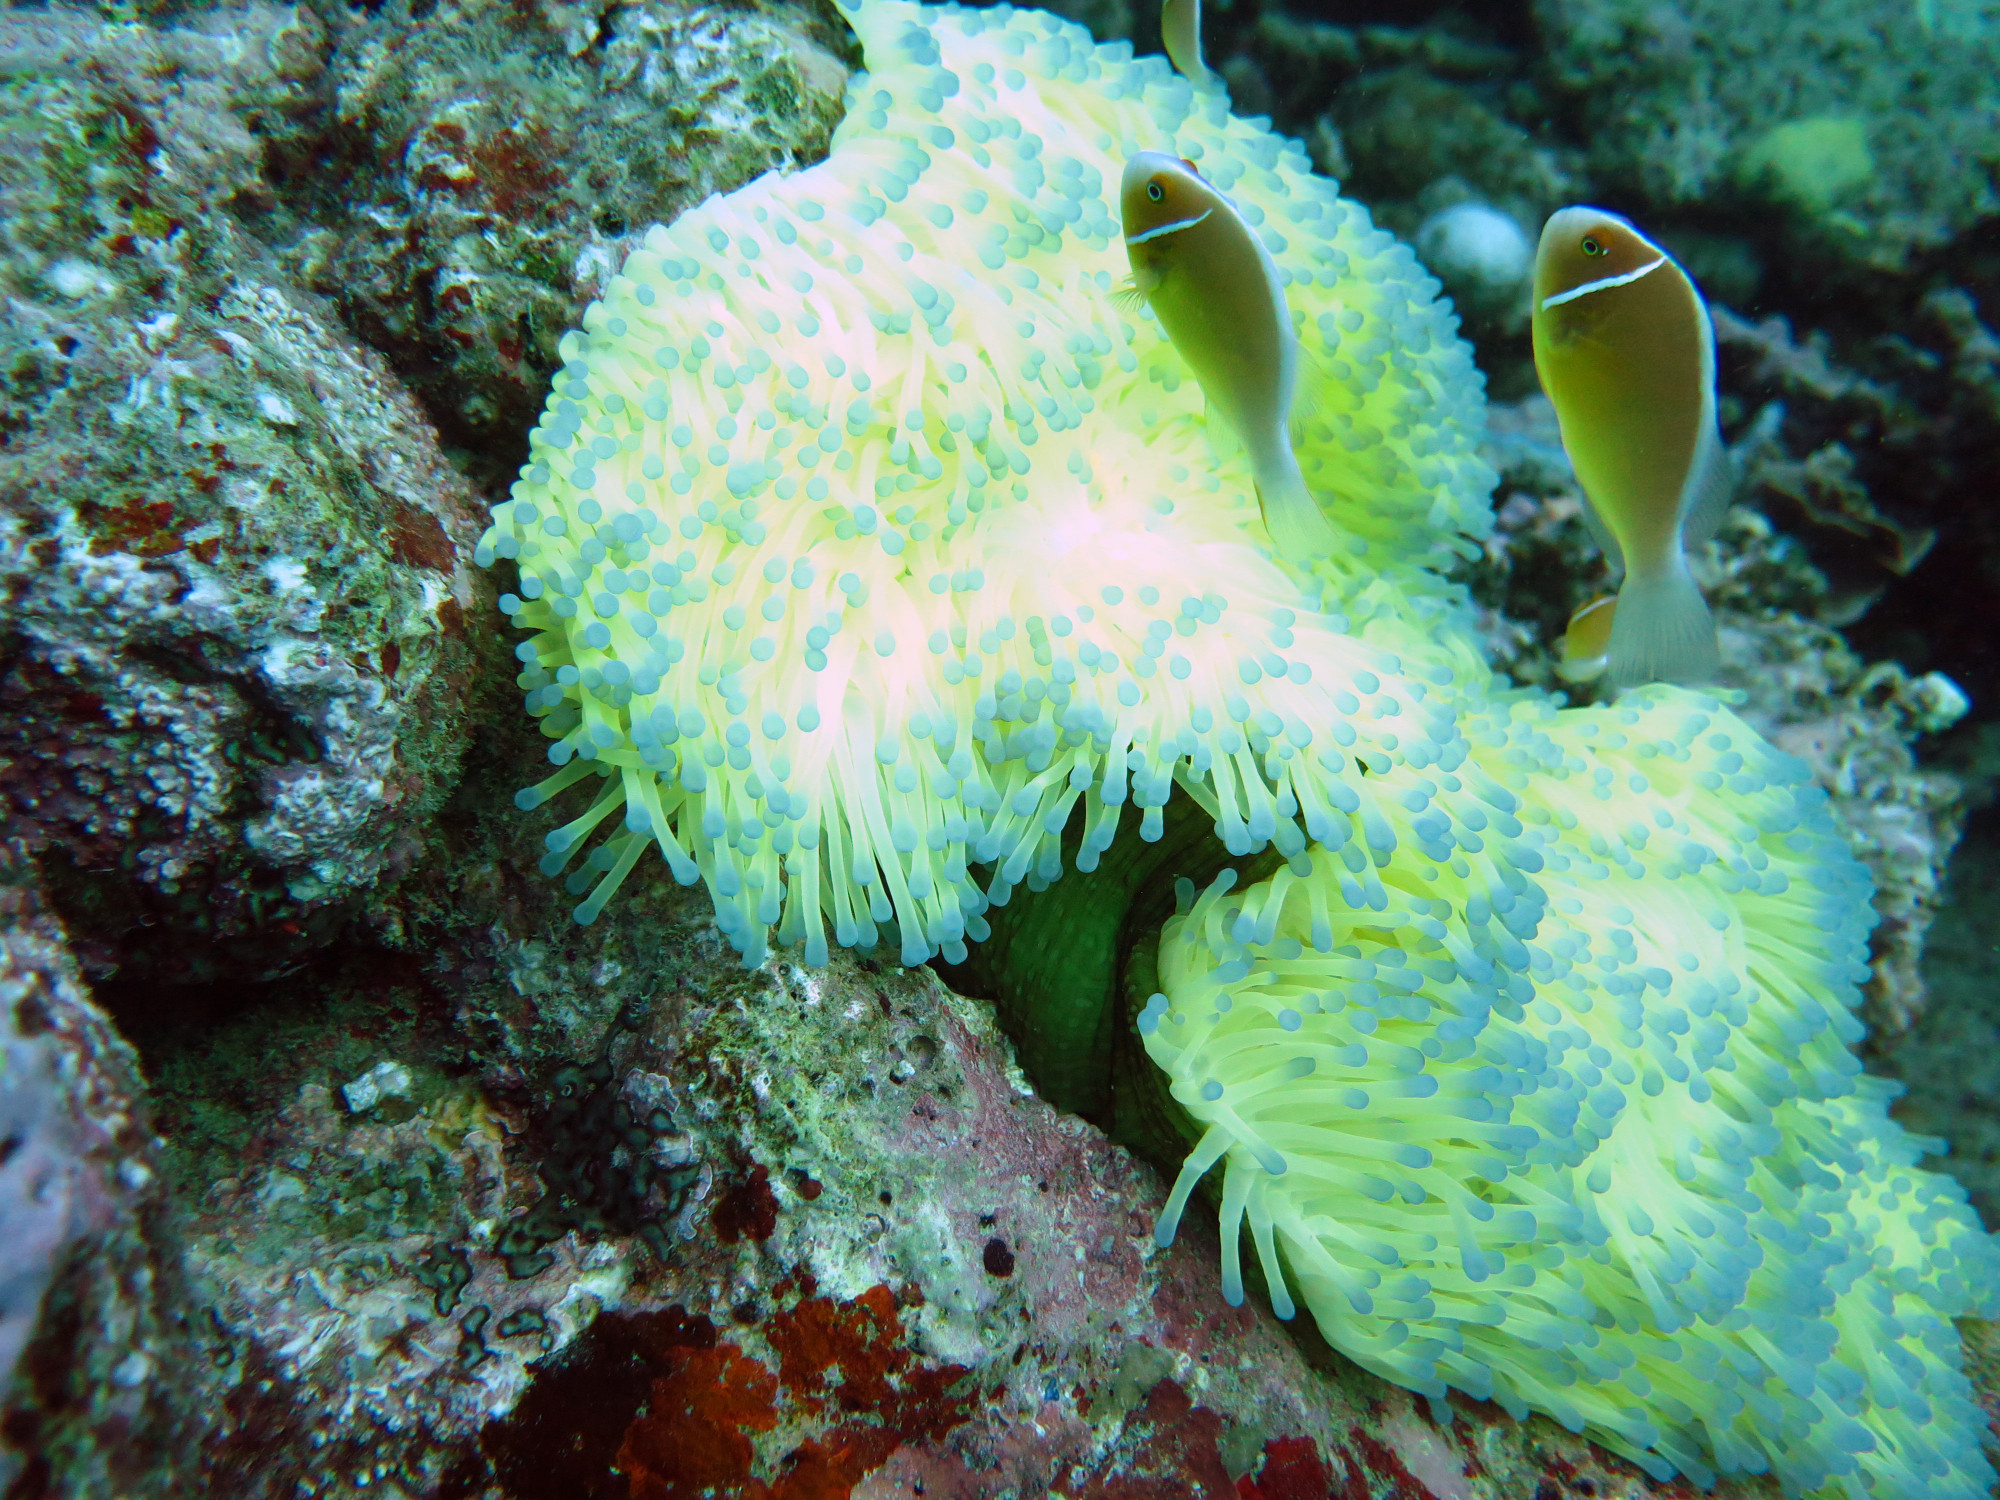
x=1951 y=1057
x=1870 y=126
x=504 y=153
x=101 y=1399
x=239 y=624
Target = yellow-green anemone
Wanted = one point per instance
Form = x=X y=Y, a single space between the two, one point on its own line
x=864 y=539
x=1591 y=1142
x=869 y=551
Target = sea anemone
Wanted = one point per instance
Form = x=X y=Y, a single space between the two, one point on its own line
x=878 y=566
x=771 y=532
x=1595 y=1144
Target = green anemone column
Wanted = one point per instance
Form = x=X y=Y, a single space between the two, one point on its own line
x=1054 y=962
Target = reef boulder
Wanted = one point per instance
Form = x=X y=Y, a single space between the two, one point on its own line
x=239 y=637
x=96 y=1394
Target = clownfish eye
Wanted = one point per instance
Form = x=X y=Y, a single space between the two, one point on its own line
x=1592 y=245
x=1154 y=191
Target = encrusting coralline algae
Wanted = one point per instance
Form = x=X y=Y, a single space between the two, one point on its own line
x=863 y=542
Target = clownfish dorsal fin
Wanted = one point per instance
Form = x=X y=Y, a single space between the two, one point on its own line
x=1712 y=474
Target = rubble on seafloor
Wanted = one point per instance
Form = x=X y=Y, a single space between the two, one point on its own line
x=474 y=1202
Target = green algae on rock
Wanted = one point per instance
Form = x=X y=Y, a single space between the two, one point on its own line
x=826 y=614
x=1814 y=163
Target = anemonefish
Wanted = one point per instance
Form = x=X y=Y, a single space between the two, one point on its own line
x=1212 y=284
x=1180 y=30
x=1625 y=351
x=1586 y=645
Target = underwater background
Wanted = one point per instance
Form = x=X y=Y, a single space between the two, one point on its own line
x=337 y=1159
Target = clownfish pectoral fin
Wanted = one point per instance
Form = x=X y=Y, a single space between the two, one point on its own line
x=1581 y=669
x=1222 y=434
x=1309 y=390
x=1601 y=534
x=1713 y=486
x=1133 y=291
x=1585 y=648
x=1662 y=631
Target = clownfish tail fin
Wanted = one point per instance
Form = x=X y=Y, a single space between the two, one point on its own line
x=1663 y=631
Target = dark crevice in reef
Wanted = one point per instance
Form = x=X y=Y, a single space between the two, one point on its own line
x=224 y=1058
x=206 y=933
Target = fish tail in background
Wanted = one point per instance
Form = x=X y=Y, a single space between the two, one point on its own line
x=1663 y=631
x=1180 y=30
x=1299 y=529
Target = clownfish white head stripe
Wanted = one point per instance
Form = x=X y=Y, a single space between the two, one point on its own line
x=1153 y=234
x=1625 y=351
x=1603 y=283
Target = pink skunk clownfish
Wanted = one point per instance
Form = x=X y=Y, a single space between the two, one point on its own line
x=1212 y=285
x=1625 y=351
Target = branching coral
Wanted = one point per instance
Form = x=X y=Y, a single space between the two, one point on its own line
x=866 y=543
